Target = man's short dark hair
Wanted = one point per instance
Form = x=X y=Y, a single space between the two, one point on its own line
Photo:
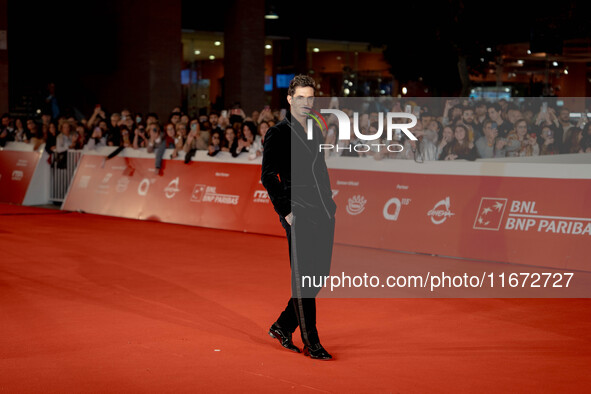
x=300 y=81
x=496 y=106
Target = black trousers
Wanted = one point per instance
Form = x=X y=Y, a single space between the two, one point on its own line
x=310 y=239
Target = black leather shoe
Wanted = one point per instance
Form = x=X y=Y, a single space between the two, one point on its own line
x=317 y=352
x=284 y=338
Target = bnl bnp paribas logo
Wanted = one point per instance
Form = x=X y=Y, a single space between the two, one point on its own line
x=345 y=130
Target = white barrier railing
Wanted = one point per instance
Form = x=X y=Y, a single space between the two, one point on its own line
x=62 y=172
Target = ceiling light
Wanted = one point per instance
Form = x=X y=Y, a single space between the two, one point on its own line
x=217 y=43
x=528 y=52
x=520 y=62
x=268 y=46
x=404 y=90
x=271 y=14
x=197 y=52
x=316 y=50
x=211 y=57
x=565 y=71
x=555 y=64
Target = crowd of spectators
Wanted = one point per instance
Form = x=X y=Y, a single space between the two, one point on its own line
x=470 y=130
x=463 y=130
x=229 y=131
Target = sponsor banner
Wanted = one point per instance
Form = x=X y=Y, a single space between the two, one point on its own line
x=533 y=221
x=544 y=222
x=218 y=195
x=16 y=172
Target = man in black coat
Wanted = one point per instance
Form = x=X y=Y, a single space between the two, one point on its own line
x=295 y=175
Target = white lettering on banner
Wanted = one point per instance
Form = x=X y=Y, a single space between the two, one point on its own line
x=490 y=213
x=401 y=187
x=122 y=168
x=89 y=165
x=122 y=184
x=261 y=196
x=439 y=213
x=222 y=174
x=398 y=204
x=17 y=175
x=348 y=183
x=524 y=216
x=107 y=177
x=84 y=181
x=144 y=186
x=356 y=205
x=22 y=163
x=523 y=207
x=334 y=193
x=173 y=187
x=203 y=193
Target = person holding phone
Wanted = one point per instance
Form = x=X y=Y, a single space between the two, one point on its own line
x=302 y=198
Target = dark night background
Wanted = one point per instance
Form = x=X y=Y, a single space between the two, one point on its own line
x=71 y=43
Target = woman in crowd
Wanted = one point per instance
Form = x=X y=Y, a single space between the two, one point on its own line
x=257 y=146
x=66 y=139
x=547 y=145
x=160 y=142
x=194 y=141
x=20 y=133
x=460 y=148
x=97 y=138
x=51 y=138
x=179 y=139
x=140 y=137
x=422 y=149
x=586 y=139
x=79 y=136
x=215 y=143
x=520 y=142
x=572 y=140
x=433 y=131
x=230 y=142
x=248 y=138
x=446 y=137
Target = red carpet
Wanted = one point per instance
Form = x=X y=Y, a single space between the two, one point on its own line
x=99 y=304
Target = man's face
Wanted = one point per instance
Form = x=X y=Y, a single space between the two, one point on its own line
x=213 y=119
x=302 y=101
x=468 y=116
x=5 y=121
x=513 y=115
x=564 y=115
x=481 y=110
x=493 y=114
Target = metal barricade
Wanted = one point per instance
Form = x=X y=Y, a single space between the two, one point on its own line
x=62 y=172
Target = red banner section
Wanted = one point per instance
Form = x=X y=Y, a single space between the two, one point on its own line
x=526 y=220
x=534 y=221
x=209 y=194
x=16 y=171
